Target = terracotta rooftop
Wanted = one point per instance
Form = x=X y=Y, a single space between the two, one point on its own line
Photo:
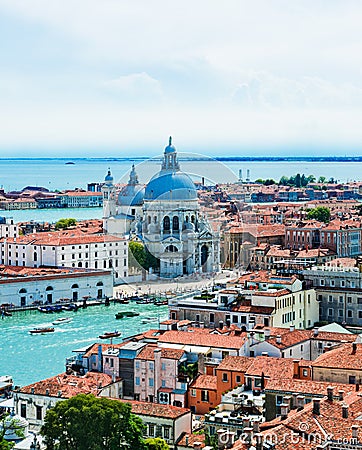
x=271 y=367
x=203 y=339
x=205 y=382
x=148 y=353
x=343 y=357
x=156 y=409
x=236 y=363
x=66 y=386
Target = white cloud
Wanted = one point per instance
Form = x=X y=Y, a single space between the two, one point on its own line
x=235 y=74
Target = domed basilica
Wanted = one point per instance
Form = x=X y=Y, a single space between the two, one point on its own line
x=165 y=216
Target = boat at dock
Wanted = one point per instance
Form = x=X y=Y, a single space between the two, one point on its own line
x=62 y=320
x=123 y=314
x=110 y=334
x=42 y=330
x=149 y=319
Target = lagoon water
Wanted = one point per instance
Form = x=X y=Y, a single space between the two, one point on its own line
x=29 y=358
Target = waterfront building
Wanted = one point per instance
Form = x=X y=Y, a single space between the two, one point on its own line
x=24 y=286
x=81 y=199
x=8 y=228
x=166 y=217
x=70 y=248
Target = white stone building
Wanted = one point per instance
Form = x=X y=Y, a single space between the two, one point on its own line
x=67 y=249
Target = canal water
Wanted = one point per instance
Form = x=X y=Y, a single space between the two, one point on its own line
x=29 y=358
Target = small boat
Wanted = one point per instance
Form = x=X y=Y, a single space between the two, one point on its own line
x=161 y=302
x=123 y=314
x=6 y=313
x=124 y=301
x=70 y=307
x=41 y=330
x=62 y=320
x=110 y=335
x=149 y=319
x=69 y=162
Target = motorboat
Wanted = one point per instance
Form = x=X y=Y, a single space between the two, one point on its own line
x=62 y=320
x=123 y=314
x=110 y=334
x=41 y=330
x=149 y=319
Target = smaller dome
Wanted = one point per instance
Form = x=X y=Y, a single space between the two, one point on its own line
x=108 y=178
x=170 y=148
x=131 y=195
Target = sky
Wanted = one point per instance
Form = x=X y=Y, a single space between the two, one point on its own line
x=234 y=77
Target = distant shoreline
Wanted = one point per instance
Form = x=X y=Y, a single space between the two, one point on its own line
x=72 y=161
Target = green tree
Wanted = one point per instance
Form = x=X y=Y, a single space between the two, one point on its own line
x=63 y=224
x=322 y=179
x=156 y=444
x=86 y=422
x=321 y=213
x=298 y=182
x=136 y=255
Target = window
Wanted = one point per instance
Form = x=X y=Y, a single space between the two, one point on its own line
x=23 y=410
x=305 y=372
x=340 y=313
x=39 y=413
x=330 y=311
x=151 y=382
x=321 y=282
x=193 y=392
x=204 y=396
x=343 y=283
x=349 y=299
x=138 y=365
x=330 y=298
x=138 y=381
x=235 y=319
x=163 y=383
x=151 y=365
x=360 y=314
x=224 y=377
x=166 y=432
x=349 y=313
x=212 y=317
x=238 y=378
x=341 y=299
x=163 y=366
x=151 y=429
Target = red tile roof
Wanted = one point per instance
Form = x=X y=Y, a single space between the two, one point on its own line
x=203 y=339
x=148 y=353
x=205 y=382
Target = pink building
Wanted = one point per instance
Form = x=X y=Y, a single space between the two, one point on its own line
x=156 y=376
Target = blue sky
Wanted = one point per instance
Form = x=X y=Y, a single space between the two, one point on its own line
x=117 y=77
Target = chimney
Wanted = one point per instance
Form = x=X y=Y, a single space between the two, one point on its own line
x=267 y=333
x=340 y=395
x=315 y=332
x=355 y=432
x=345 y=411
x=279 y=339
x=295 y=368
x=46 y=391
x=256 y=426
x=292 y=328
x=300 y=401
x=32 y=390
x=354 y=348
x=284 y=409
x=330 y=390
x=316 y=406
x=294 y=404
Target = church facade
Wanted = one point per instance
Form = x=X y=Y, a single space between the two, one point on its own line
x=165 y=215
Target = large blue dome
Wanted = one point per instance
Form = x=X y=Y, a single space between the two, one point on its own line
x=170 y=185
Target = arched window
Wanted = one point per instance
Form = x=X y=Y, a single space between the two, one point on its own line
x=166 y=224
x=75 y=286
x=192 y=219
x=171 y=248
x=175 y=223
x=22 y=291
x=79 y=264
x=155 y=219
x=49 y=288
x=187 y=218
x=204 y=254
x=100 y=283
